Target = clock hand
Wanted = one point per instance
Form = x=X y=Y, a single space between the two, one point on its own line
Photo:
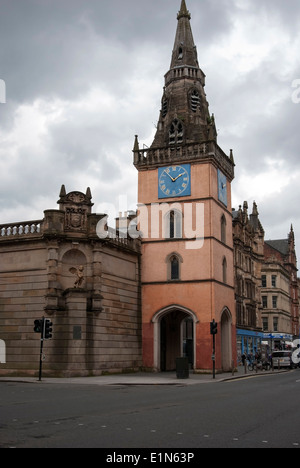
x=180 y=175
x=173 y=180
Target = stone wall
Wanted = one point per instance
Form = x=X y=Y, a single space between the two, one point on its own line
x=88 y=287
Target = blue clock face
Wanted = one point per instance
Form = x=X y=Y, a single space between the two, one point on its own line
x=174 y=181
x=222 y=187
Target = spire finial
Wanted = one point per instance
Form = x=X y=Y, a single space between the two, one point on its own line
x=184 y=12
x=136 y=146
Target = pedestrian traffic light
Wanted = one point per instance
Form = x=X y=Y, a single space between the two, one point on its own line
x=38 y=326
x=48 y=329
x=213 y=328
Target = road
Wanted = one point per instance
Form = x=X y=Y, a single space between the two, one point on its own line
x=256 y=412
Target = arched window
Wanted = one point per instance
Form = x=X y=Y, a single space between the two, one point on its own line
x=224 y=269
x=180 y=53
x=176 y=132
x=174 y=268
x=223 y=229
x=174 y=262
x=173 y=222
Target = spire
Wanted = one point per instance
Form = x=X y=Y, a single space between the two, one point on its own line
x=184 y=11
x=184 y=118
x=184 y=52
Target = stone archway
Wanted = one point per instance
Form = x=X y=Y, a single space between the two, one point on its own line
x=226 y=340
x=173 y=338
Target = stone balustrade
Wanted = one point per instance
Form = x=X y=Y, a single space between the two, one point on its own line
x=22 y=229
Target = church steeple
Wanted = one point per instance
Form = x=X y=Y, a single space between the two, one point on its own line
x=185 y=128
x=184 y=116
x=184 y=51
x=185 y=168
x=183 y=11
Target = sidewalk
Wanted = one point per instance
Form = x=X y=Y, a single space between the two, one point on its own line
x=144 y=378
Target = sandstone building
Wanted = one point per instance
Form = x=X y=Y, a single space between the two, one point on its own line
x=280 y=300
x=248 y=240
x=58 y=267
x=187 y=275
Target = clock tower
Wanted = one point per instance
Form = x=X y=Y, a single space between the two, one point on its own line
x=185 y=220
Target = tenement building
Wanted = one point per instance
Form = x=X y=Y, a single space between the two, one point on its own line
x=280 y=315
x=248 y=240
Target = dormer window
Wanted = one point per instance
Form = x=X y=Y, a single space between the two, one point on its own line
x=180 y=53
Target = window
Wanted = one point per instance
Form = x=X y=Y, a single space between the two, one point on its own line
x=176 y=132
x=195 y=100
x=275 y=324
x=180 y=53
x=265 y=302
x=250 y=289
x=173 y=225
x=164 y=107
x=223 y=229
x=274 y=302
x=274 y=278
x=265 y=321
x=239 y=313
x=264 y=281
x=174 y=268
x=224 y=268
x=174 y=261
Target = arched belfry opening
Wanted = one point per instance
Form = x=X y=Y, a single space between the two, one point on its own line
x=174 y=336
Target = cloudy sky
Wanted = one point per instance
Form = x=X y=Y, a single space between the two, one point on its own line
x=84 y=76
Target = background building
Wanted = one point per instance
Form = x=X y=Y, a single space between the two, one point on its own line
x=248 y=240
x=280 y=301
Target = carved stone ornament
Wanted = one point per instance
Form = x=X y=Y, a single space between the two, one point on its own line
x=76 y=206
x=75 y=219
x=79 y=273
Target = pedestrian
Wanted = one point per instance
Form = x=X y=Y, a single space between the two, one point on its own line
x=244 y=359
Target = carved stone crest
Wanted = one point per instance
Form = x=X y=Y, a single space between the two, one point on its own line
x=76 y=206
x=75 y=219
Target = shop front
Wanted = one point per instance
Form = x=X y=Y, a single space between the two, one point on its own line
x=278 y=341
x=248 y=343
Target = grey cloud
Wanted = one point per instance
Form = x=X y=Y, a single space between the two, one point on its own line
x=62 y=49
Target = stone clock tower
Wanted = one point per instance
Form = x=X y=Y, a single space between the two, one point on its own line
x=184 y=196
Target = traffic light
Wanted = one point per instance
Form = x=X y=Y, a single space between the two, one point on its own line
x=213 y=328
x=48 y=329
x=38 y=326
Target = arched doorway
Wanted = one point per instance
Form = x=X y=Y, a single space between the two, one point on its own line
x=174 y=336
x=226 y=340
